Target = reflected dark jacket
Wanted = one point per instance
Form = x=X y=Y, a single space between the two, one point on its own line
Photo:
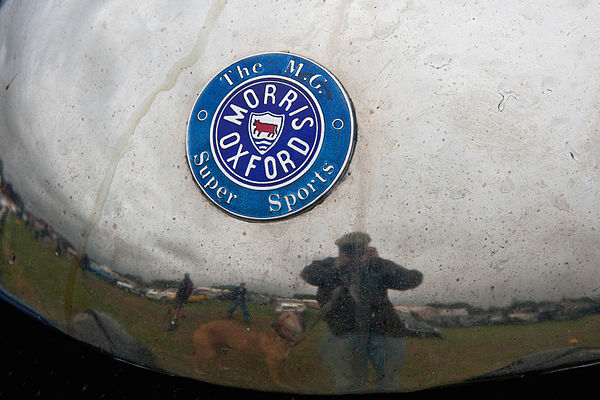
x=374 y=313
x=184 y=291
x=239 y=294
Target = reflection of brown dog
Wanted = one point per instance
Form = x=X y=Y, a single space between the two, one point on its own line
x=273 y=345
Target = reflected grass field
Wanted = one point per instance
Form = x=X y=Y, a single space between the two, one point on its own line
x=41 y=279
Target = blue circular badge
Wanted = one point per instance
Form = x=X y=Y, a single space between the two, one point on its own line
x=269 y=136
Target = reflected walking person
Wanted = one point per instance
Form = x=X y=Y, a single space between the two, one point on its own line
x=181 y=298
x=238 y=297
x=363 y=325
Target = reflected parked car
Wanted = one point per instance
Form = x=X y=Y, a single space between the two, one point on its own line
x=159 y=295
x=293 y=306
x=125 y=286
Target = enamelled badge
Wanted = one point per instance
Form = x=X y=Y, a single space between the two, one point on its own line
x=270 y=135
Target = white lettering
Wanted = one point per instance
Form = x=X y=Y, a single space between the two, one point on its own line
x=212 y=183
x=251 y=163
x=303 y=194
x=290 y=200
x=308 y=120
x=270 y=93
x=204 y=172
x=231 y=196
x=284 y=159
x=320 y=177
x=215 y=183
x=256 y=68
x=314 y=78
x=200 y=157
x=252 y=103
x=291 y=66
x=242 y=71
x=237 y=156
x=294 y=142
x=274 y=201
x=221 y=192
x=226 y=76
x=272 y=171
x=328 y=168
x=226 y=143
x=239 y=115
x=289 y=98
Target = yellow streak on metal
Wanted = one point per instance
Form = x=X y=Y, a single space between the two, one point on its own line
x=123 y=139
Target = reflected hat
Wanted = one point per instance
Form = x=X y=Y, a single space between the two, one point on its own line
x=354 y=239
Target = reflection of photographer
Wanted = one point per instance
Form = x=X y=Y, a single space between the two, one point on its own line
x=352 y=293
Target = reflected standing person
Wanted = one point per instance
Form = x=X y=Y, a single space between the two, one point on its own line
x=238 y=297
x=363 y=325
x=181 y=298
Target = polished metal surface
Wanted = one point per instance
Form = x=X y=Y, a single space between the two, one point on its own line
x=461 y=242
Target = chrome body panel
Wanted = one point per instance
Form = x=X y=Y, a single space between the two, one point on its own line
x=476 y=163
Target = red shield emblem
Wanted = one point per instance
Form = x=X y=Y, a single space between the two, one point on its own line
x=265 y=129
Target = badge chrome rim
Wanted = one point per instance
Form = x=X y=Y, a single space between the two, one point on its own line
x=318 y=176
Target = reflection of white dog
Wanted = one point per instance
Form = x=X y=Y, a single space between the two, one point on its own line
x=273 y=345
